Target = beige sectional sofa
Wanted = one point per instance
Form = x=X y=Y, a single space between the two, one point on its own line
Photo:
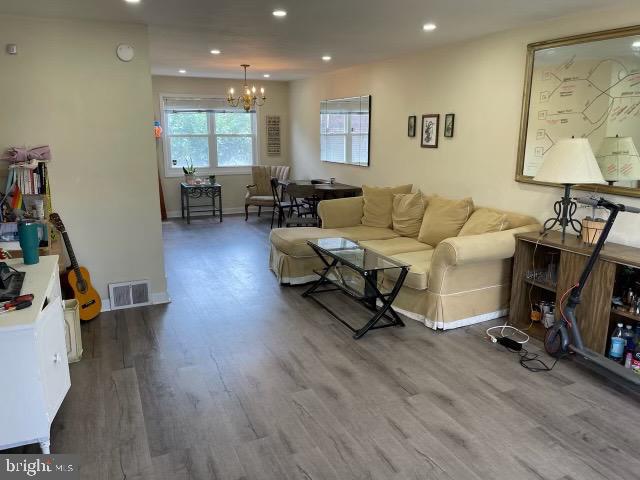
x=460 y=281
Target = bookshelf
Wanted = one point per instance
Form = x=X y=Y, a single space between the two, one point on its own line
x=33 y=185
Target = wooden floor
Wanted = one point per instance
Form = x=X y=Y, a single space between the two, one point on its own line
x=239 y=378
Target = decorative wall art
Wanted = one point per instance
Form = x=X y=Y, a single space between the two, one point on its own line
x=273 y=135
x=449 y=122
x=430 y=130
x=411 y=126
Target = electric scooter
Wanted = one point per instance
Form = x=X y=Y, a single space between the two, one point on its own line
x=564 y=336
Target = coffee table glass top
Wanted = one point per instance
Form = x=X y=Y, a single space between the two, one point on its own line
x=353 y=255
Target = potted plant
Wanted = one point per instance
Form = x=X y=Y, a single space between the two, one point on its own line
x=189 y=173
x=592 y=227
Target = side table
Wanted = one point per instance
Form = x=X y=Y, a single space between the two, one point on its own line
x=188 y=192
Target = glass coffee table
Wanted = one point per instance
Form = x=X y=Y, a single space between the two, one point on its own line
x=354 y=270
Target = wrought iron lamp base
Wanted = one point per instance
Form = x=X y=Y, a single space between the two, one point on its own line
x=564 y=209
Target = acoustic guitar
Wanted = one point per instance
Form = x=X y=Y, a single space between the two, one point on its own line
x=78 y=277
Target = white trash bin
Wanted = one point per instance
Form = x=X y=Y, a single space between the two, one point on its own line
x=72 y=330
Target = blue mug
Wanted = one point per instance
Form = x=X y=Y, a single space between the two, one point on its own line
x=29 y=242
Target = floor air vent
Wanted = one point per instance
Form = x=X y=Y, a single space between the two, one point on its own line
x=129 y=294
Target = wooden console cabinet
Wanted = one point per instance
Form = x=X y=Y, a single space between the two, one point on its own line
x=595 y=314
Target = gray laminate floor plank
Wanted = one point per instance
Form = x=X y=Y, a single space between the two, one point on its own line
x=239 y=378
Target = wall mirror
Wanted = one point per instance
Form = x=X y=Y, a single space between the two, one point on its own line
x=345 y=130
x=585 y=86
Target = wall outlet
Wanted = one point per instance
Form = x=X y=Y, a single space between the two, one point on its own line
x=12 y=49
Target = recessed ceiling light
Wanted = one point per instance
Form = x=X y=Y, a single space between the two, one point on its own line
x=182 y=70
x=266 y=75
x=636 y=44
x=429 y=27
x=326 y=58
x=279 y=13
x=132 y=1
x=215 y=51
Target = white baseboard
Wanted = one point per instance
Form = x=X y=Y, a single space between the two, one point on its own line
x=157 y=298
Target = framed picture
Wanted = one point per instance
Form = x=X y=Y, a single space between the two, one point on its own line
x=411 y=126
x=449 y=122
x=430 y=129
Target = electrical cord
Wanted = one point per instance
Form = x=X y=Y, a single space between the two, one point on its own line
x=527 y=358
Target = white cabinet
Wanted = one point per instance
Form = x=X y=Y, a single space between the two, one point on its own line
x=34 y=372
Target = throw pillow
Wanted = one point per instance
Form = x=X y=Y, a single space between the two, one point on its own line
x=378 y=204
x=484 y=220
x=444 y=218
x=407 y=213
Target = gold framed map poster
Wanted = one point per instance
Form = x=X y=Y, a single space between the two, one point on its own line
x=586 y=86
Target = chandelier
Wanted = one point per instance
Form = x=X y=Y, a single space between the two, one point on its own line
x=248 y=99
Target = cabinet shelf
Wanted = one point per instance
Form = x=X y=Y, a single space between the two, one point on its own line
x=545 y=286
x=629 y=315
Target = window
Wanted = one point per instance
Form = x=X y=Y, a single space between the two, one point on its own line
x=344 y=130
x=207 y=134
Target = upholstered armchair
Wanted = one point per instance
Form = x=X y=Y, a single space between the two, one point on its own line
x=259 y=192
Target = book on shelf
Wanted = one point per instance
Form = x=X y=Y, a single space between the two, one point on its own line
x=31 y=181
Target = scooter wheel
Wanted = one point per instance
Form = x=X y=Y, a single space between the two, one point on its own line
x=553 y=342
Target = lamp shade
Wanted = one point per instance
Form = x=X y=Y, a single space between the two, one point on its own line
x=570 y=161
x=618 y=159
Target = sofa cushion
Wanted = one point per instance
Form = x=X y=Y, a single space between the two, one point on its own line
x=444 y=218
x=293 y=241
x=395 y=245
x=362 y=232
x=407 y=213
x=418 y=276
x=484 y=220
x=378 y=204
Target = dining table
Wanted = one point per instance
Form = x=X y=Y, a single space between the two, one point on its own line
x=325 y=189
x=321 y=189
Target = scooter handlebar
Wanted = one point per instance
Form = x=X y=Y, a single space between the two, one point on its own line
x=594 y=202
x=601 y=202
x=630 y=209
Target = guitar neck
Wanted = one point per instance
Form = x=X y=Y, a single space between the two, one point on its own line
x=72 y=255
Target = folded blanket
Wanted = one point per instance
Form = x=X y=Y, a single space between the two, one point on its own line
x=24 y=155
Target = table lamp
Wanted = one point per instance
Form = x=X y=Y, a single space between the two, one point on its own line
x=568 y=162
x=618 y=159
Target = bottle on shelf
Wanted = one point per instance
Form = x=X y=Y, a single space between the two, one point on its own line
x=629 y=338
x=616 y=349
x=629 y=345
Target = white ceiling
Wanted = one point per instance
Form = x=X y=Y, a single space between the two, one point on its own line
x=182 y=32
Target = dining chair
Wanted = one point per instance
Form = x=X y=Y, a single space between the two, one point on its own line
x=280 y=205
x=259 y=193
x=303 y=202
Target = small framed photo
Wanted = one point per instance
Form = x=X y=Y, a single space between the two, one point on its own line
x=449 y=123
x=411 y=126
x=430 y=129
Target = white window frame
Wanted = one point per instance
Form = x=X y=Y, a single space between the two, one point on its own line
x=213 y=169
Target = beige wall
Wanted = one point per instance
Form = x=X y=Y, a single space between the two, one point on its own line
x=66 y=88
x=481 y=82
x=233 y=186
